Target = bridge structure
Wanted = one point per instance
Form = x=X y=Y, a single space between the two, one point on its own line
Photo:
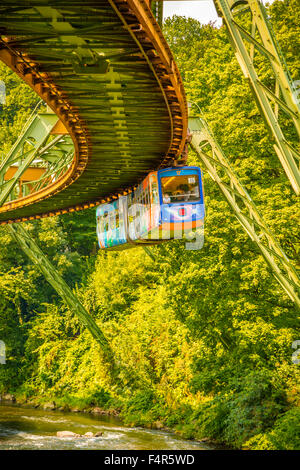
x=113 y=108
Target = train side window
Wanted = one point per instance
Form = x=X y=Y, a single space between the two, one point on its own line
x=147 y=196
x=154 y=189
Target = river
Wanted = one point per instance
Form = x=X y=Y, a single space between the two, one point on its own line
x=30 y=428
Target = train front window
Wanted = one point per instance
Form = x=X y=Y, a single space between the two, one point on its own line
x=182 y=188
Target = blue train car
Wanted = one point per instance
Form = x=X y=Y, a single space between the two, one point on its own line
x=167 y=205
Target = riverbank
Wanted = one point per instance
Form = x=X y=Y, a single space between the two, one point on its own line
x=60 y=405
x=52 y=405
x=25 y=427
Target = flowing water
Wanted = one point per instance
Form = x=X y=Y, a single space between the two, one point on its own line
x=29 y=428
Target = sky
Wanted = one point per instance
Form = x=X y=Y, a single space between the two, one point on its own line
x=203 y=10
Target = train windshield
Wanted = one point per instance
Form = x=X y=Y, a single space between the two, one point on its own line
x=181 y=188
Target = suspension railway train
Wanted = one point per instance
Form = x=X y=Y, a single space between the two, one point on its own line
x=168 y=204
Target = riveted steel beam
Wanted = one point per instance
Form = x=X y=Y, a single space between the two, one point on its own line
x=248 y=39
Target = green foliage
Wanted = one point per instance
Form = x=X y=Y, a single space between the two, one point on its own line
x=253 y=408
x=19 y=103
x=284 y=436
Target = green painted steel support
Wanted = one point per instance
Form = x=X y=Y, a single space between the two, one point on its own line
x=149 y=253
x=24 y=163
x=33 y=136
x=55 y=168
x=218 y=166
x=33 y=251
x=28 y=147
x=283 y=97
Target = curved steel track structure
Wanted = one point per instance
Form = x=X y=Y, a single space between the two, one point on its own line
x=106 y=71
